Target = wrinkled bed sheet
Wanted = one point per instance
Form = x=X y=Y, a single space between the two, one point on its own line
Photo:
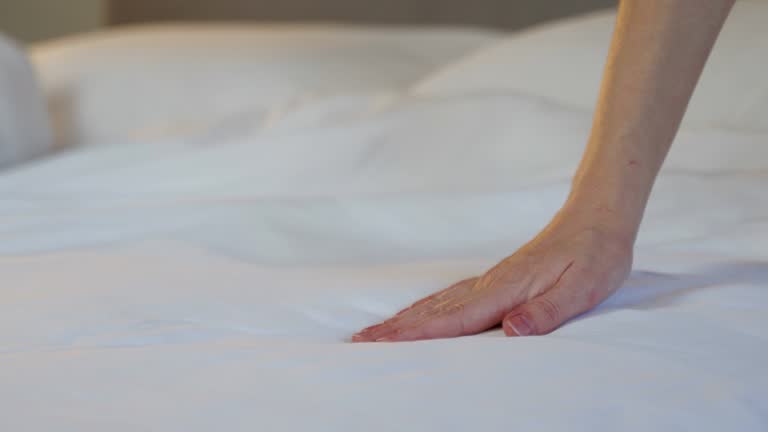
x=213 y=283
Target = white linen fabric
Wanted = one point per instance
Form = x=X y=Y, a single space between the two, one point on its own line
x=162 y=80
x=213 y=283
x=24 y=127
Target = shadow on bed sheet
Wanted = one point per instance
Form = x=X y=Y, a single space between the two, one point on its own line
x=650 y=290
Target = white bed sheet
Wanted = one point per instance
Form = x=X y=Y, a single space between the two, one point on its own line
x=213 y=283
x=161 y=80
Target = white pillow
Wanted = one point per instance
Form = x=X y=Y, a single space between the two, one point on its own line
x=24 y=127
x=167 y=79
x=563 y=62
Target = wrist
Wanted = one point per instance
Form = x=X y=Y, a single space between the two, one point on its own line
x=611 y=211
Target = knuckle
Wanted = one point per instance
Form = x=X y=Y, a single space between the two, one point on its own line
x=456 y=308
x=550 y=310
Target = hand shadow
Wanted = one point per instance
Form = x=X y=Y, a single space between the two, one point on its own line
x=649 y=290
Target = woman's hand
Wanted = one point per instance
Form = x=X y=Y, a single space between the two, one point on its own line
x=585 y=253
x=569 y=268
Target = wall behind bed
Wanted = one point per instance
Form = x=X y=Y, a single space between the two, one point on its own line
x=509 y=14
x=34 y=20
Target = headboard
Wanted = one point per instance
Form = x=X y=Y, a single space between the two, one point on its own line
x=507 y=14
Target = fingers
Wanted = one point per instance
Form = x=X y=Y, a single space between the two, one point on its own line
x=475 y=305
x=459 y=288
x=545 y=313
x=444 y=303
x=532 y=292
x=465 y=316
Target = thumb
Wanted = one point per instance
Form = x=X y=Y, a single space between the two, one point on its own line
x=547 y=312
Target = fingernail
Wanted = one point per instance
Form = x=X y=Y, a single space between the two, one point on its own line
x=520 y=325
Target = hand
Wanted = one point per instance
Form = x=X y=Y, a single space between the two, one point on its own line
x=569 y=268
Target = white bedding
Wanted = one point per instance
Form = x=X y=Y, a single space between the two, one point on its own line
x=165 y=80
x=212 y=283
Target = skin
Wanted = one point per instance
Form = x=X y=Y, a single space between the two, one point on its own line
x=584 y=255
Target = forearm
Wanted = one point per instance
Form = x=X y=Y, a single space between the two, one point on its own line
x=658 y=51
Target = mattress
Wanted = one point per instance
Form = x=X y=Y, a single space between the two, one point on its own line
x=212 y=281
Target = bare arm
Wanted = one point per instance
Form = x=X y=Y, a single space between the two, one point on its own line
x=585 y=253
x=658 y=52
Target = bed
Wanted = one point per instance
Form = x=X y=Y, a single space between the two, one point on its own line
x=226 y=205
